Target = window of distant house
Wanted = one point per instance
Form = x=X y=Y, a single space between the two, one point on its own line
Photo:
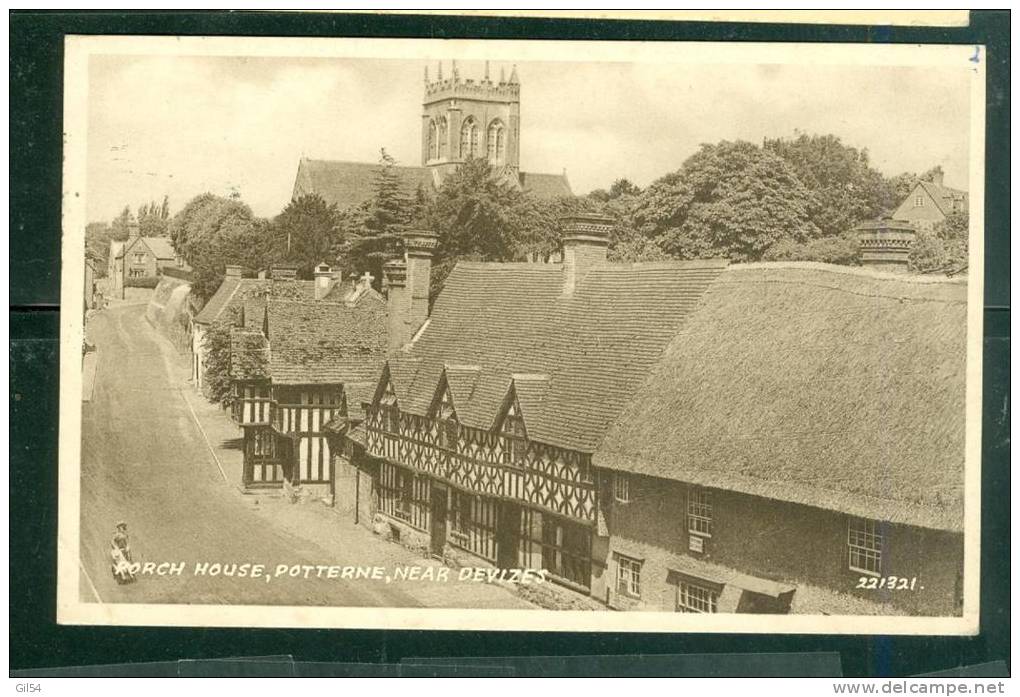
x=390 y=411
x=919 y=202
x=864 y=542
x=469 y=139
x=136 y=273
x=621 y=487
x=139 y=257
x=699 y=512
x=691 y=597
x=513 y=435
x=447 y=418
x=628 y=576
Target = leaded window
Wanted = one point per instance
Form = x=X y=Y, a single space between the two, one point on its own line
x=621 y=487
x=390 y=410
x=513 y=435
x=469 y=139
x=496 y=142
x=864 y=542
x=447 y=422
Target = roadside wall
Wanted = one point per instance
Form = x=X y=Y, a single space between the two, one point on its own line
x=168 y=311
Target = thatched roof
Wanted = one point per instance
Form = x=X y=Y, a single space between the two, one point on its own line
x=827 y=386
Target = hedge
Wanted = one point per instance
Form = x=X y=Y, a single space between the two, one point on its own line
x=141 y=282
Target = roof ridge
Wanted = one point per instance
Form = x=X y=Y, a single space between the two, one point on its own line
x=859 y=271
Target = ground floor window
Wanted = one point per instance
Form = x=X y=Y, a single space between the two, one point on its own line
x=628 y=576
x=263 y=443
x=473 y=523
x=691 y=597
x=564 y=546
x=404 y=495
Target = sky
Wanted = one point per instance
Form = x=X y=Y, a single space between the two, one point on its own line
x=183 y=125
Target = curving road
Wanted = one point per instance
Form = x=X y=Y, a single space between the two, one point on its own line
x=146 y=460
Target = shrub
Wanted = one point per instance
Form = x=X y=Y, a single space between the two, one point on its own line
x=141 y=282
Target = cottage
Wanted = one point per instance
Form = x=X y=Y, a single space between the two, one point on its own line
x=931 y=202
x=690 y=436
x=138 y=258
x=295 y=365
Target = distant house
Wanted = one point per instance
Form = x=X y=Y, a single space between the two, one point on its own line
x=930 y=203
x=138 y=257
x=463 y=118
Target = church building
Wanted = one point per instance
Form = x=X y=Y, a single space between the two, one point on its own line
x=461 y=118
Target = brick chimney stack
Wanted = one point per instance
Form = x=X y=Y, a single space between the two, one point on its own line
x=395 y=279
x=134 y=229
x=585 y=242
x=419 y=246
x=885 y=244
x=407 y=287
x=323 y=280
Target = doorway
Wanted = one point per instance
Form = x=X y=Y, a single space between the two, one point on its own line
x=438 y=505
x=508 y=536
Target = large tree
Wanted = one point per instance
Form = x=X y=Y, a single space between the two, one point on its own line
x=370 y=233
x=307 y=232
x=730 y=199
x=154 y=219
x=211 y=232
x=847 y=188
x=944 y=248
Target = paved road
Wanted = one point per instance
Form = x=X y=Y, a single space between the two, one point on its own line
x=145 y=460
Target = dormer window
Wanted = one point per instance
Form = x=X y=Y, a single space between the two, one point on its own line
x=513 y=436
x=446 y=416
x=390 y=410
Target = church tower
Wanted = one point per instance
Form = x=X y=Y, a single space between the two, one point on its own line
x=464 y=118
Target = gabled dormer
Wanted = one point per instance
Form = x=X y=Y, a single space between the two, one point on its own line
x=512 y=432
x=385 y=402
x=444 y=412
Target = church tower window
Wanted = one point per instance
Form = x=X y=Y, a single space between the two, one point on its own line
x=496 y=142
x=444 y=136
x=433 y=140
x=469 y=139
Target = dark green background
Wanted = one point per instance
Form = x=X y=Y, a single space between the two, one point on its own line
x=36 y=56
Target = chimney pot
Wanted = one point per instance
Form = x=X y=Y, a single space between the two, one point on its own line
x=885 y=244
x=323 y=280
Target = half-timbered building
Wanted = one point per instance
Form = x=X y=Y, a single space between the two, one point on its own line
x=691 y=436
x=296 y=366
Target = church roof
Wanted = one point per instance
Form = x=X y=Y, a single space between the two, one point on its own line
x=349 y=184
x=828 y=386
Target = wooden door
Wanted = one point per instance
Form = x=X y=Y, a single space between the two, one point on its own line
x=438 y=510
x=508 y=536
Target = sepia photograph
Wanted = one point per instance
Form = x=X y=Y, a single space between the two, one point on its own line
x=521 y=335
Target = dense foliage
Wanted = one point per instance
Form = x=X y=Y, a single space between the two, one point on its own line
x=216 y=346
x=944 y=248
x=306 y=234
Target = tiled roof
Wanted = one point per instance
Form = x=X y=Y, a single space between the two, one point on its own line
x=595 y=346
x=160 y=247
x=322 y=342
x=945 y=197
x=349 y=184
x=251 y=294
x=828 y=386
